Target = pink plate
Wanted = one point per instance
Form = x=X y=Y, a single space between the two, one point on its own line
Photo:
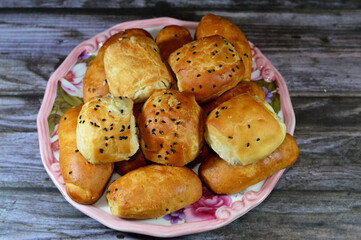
x=232 y=207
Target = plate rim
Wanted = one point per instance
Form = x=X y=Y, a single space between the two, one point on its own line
x=225 y=215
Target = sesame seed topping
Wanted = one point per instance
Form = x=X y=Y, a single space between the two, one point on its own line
x=214 y=85
x=225 y=107
x=108 y=191
x=106 y=138
x=198 y=75
x=106 y=144
x=200 y=86
x=70 y=172
x=83 y=121
x=178 y=53
x=159 y=100
x=154 y=105
x=105 y=129
x=249 y=126
x=220 y=65
x=128 y=126
x=230 y=137
x=159 y=156
x=80 y=117
x=161 y=132
x=165 y=158
x=230 y=75
x=163 y=121
x=230 y=50
x=194 y=52
x=175 y=143
x=145 y=145
x=237 y=67
x=258 y=139
x=162 y=110
x=173 y=119
x=101 y=150
x=97 y=105
x=175 y=134
x=161 y=145
x=111 y=136
x=157 y=113
x=170 y=109
x=245 y=54
x=95 y=109
x=177 y=59
x=192 y=89
x=175 y=35
x=209 y=71
x=121 y=110
x=167 y=152
x=103 y=119
x=178 y=122
x=233 y=70
x=188 y=61
x=76 y=150
x=178 y=107
x=155 y=120
x=91 y=123
x=173 y=150
x=248 y=144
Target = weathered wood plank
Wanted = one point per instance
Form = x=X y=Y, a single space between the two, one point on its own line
x=283 y=215
x=167 y=4
x=327 y=161
x=312 y=114
x=317 y=53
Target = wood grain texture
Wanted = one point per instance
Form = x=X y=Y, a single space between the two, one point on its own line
x=283 y=215
x=226 y=4
x=307 y=48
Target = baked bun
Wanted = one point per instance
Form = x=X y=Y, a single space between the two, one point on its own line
x=171 y=127
x=153 y=191
x=134 y=68
x=244 y=129
x=212 y=24
x=170 y=38
x=249 y=87
x=207 y=67
x=84 y=182
x=94 y=83
x=223 y=178
x=106 y=130
x=136 y=161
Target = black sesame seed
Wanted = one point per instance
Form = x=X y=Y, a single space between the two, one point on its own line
x=173 y=119
x=193 y=46
x=175 y=35
x=159 y=100
x=80 y=117
x=108 y=192
x=155 y=120
x=70 y=172
x=145 y=145
x=175 y=143
x=111 y=136
x=220 y=65
x=200 y=86
x=161 y=145
x=217 y=112
x=103 y=119
x=230 y=137
x=230 y=50
x=154 y=105
x=217 y=116
x=249 y=126
x=178 y=122
x=192 y=89
x=99 y=98
x=216 y=45
x=177 y=59
x=233 y=55
x=165 y=158
x=209 y=71
x=173 y=150
x=178 y=107
x=169 y=109
x=126 y=137
x=216 y=51
x=106 y=138
x=175 y=134
x=145 y=125
x=101 y=150
x=246 y=55
x=95 y=109
x=161 y=132
x=258 y=139
x=226 y=57
x=162 y=110
x=111 y=124
x=91 y=123
x=214 y=85
x=213 y=53
x=76 y=150
x=225 y=107
x=155 y=49
x=159 y=156
x=237 y=67
x=106 y=144
x=105 y=129
x=153 y=129
x=79 y=121
x=120 y=97
x=149 y=120
x=122 y=130
x=167 y=152
x=178 y=53
x=83 y=121
x=121 y=110
x=116 y=189
x=194 y=52
x=213 y=70
x=123 y=126
x=157 y=113
x=188 y=61
x=247 y=144
x=233 y=70
x=198 y=75
x=97 y=105
x=128 y=126
x=163 y=121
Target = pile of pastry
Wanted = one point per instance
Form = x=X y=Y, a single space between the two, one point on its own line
x=152 y=107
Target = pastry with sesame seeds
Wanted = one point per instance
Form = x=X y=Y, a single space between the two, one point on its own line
x=84 y=182
x=109 y=132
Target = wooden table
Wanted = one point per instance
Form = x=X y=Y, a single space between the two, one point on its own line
x=316 y=46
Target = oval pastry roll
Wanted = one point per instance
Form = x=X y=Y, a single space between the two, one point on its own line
x=223 y=178
x=94 y=83
x=134 y=68
x=244 y=130
x=249 y=87
x=106 y=130
x=153 y=191
x=207 y=67
x=170 y=38
x=212 y=24
x=171 y=127
x=84 y=182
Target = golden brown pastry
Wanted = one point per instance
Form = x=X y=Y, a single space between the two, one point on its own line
x=212 y=24
x=134 y=68
x=136 y=161
x=249 y=87
x=171 y=127
x=170 y=38
x=244 y=130
x=94 y=83
x=84 y=182
x=153 y=191
x=106 y=131
x=207 y=67
x=223 y=178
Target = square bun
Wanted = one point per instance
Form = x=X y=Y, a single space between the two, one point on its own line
x=244 y=130
x=106 y=130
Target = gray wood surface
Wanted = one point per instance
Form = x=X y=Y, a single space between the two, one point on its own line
x=316 y=46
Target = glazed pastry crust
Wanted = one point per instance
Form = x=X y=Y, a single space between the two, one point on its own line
x=153 y=191
x=223 y=178
x=84 y=182
x=212 y=24
x=244 y=130
x=207 y=67
x=94 y=83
